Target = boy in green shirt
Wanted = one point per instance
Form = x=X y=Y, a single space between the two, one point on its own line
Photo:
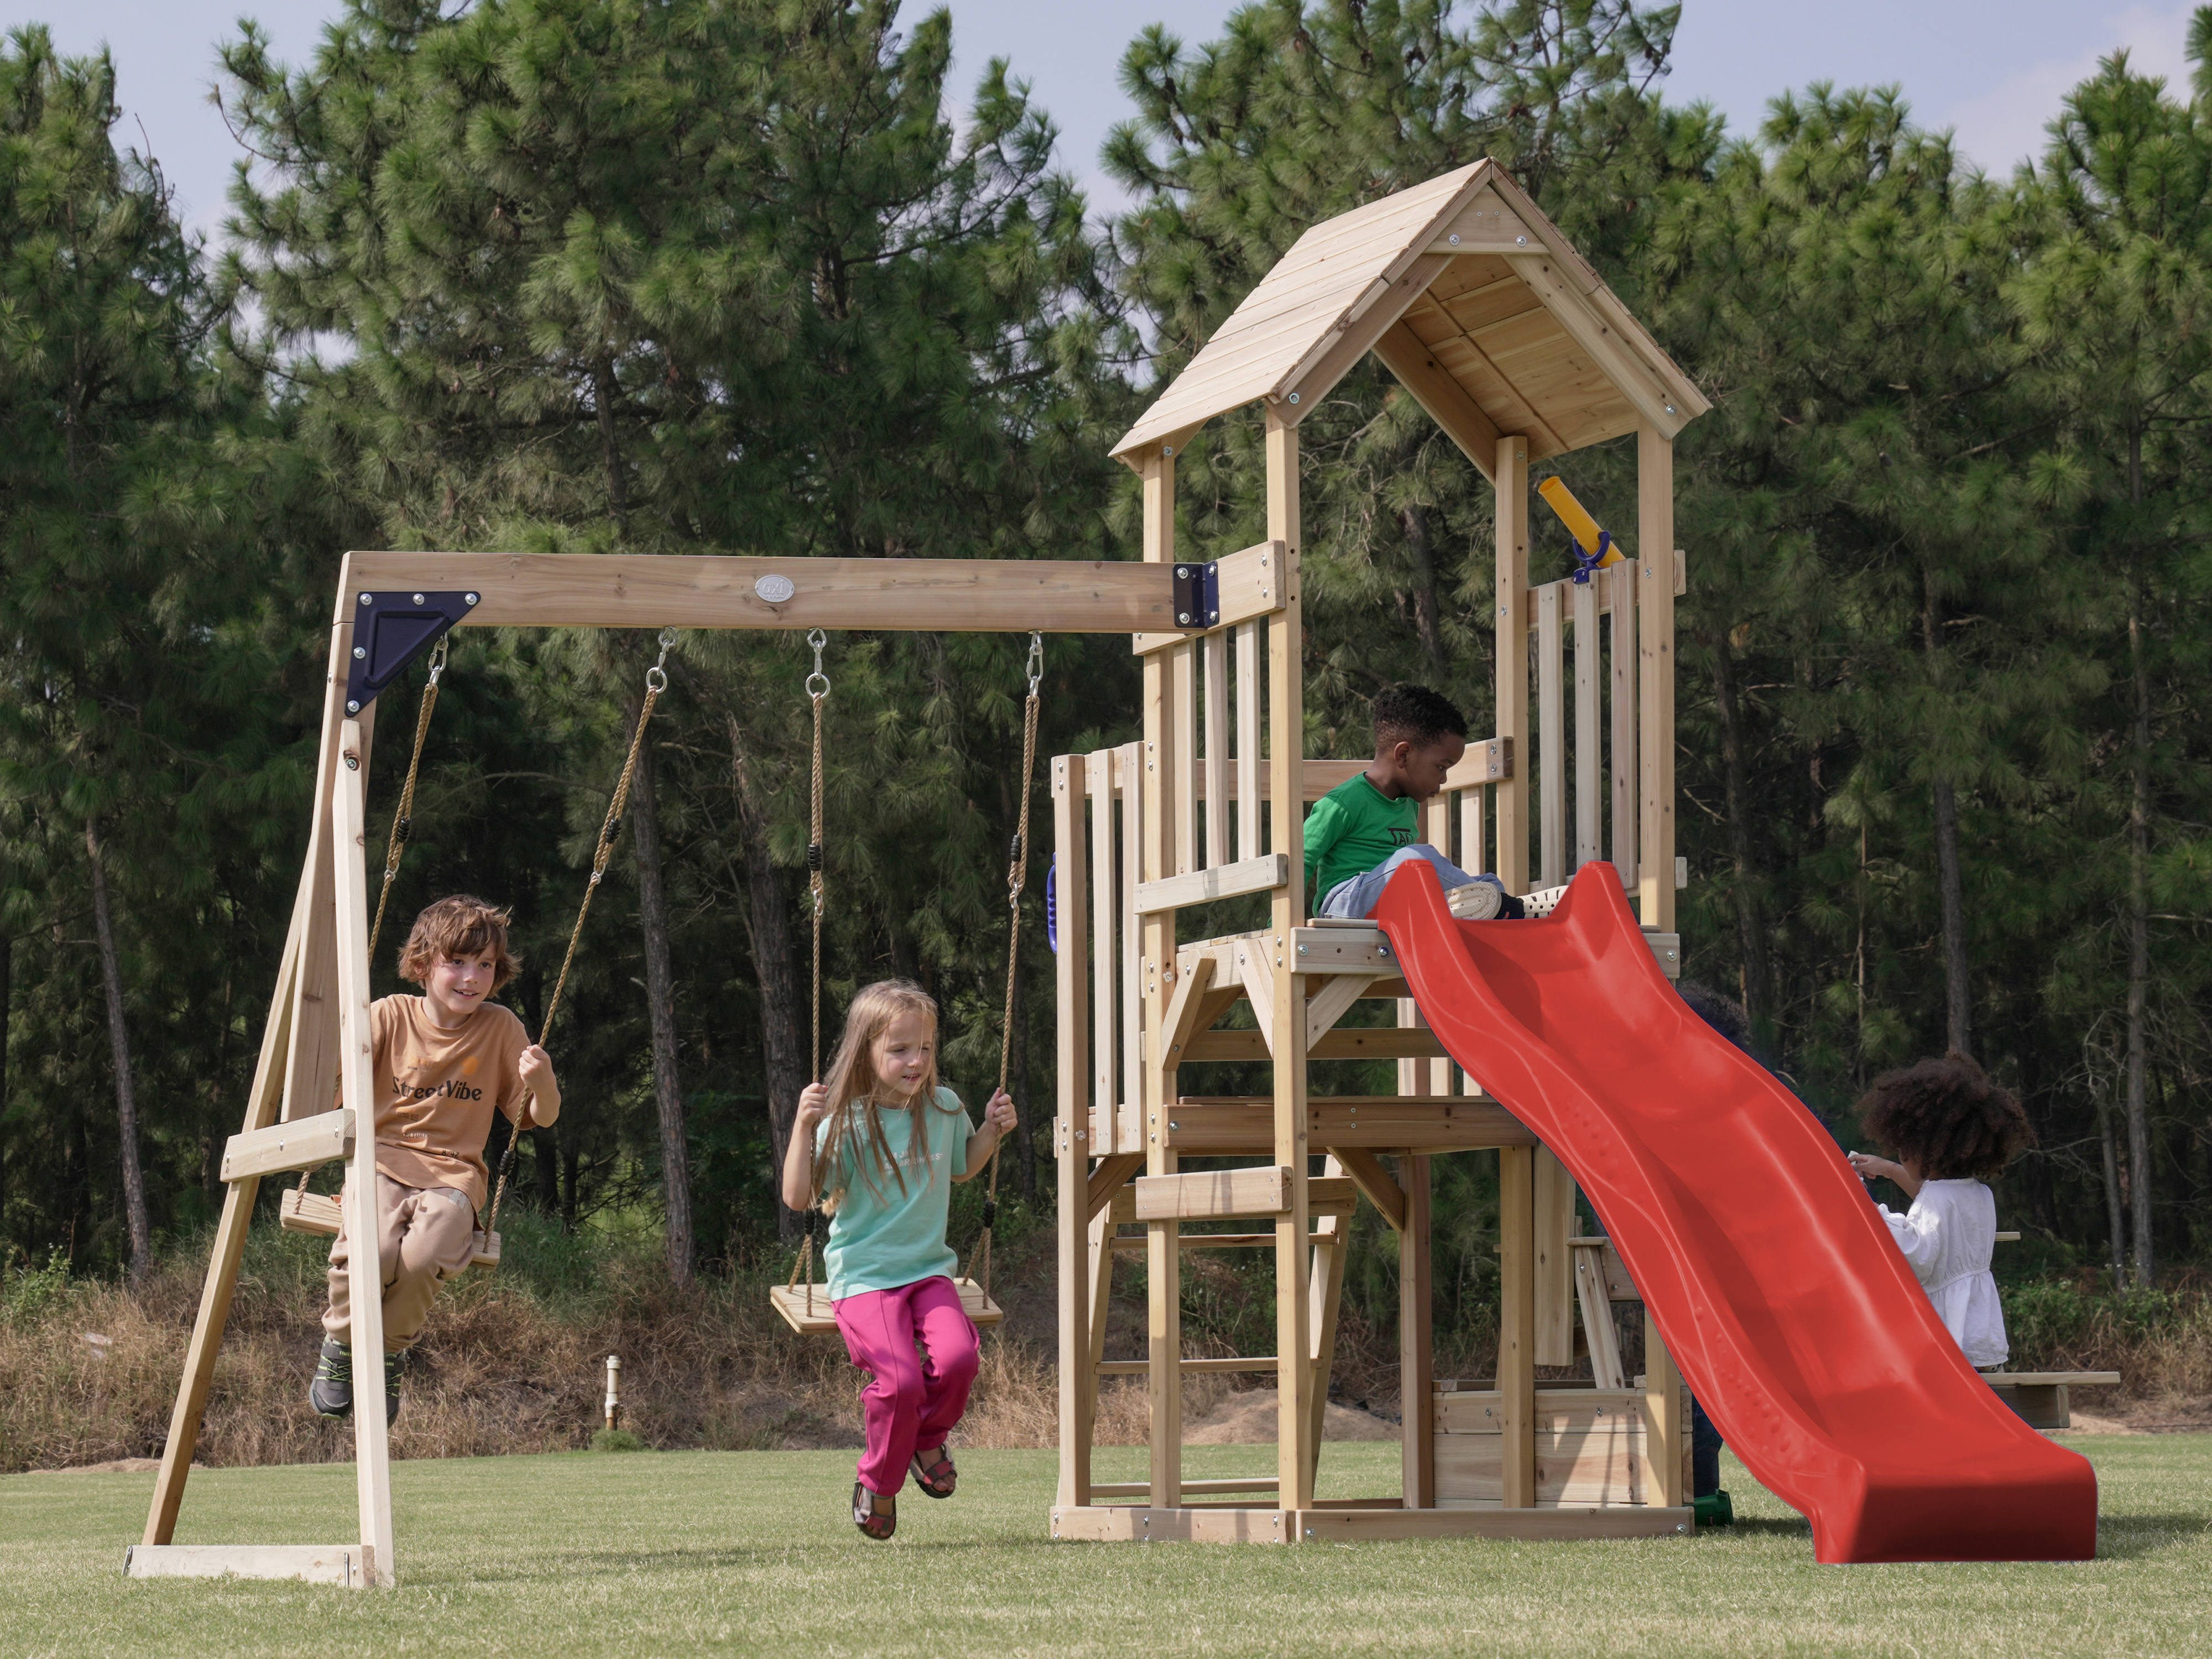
x=1362 y=830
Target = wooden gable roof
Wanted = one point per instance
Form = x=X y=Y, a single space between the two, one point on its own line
x=1471 y=297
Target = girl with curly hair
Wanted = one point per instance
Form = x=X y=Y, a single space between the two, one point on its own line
x=1951 y=1129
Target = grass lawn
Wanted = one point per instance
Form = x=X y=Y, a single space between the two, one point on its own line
x=749 y=1553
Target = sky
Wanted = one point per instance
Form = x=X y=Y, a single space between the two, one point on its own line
x=1993 y=70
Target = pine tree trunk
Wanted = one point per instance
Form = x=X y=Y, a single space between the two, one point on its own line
x=1428 y=621
x=1750 y=925
x=7 y=965
x=783 y=1037
x=2138 y=1106
x=118 y=1041
x=1958 y=995
x=2113 y=1213
x=660 y=1010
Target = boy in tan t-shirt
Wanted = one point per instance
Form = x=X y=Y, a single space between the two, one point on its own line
x=443 y=1062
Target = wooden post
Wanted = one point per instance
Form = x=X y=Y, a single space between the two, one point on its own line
x=1417 y=1406
x=1589 y=746
x=310 y=1062
x=1551 y=736
x=364 y=1268
x=1509 y=858
x=1655 y=610
x=1516 y=1324
x=1071 y=1144
x=1287 y=1018
x=1163 y=808
x=1664 y=1442
x=1554 y=1270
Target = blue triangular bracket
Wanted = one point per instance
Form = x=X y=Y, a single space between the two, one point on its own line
x=390 y=630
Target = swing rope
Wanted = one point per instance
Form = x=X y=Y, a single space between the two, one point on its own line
x=1018 y=865
x=817 y=692
x=403 y=817
x=656 y=682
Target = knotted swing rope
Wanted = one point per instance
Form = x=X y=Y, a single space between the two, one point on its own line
x=656 y=682
x=403 y=818
x=1017 y=865
x=817 y=692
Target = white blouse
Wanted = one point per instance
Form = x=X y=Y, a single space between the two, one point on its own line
x=1948 y=1236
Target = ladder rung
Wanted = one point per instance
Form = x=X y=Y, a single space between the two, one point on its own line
x=1140 y=1488
x=1134 y=1243
x=1139 y=1367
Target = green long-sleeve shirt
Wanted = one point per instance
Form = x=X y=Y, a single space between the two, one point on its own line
x=1353 y=829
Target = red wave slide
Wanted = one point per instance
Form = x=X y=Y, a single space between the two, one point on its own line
x=1794 y=1317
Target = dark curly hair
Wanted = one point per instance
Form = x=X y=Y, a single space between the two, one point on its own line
x=1946 y=1116
x=1718 y=1010
x=1415 y=715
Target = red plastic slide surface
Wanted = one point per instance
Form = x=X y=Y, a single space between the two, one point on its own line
x=1794 y=1317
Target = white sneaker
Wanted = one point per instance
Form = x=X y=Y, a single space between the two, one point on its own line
x=1476 y=902
x=1542 y=902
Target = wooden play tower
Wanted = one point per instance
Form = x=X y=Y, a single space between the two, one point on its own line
x=1490 y=320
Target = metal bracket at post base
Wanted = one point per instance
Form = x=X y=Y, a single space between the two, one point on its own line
x=1197 y=595
x=390 y=630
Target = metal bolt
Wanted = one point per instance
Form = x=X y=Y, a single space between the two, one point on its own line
x=1167 y=449
x=369 y=598
x=470 y=598
x=1453 y=239
x=1294 y=397
x=1184 y=616
x=360 y=651
x=352 y=708
x=1520 y=241
x=418 y=599
x=1182 y=572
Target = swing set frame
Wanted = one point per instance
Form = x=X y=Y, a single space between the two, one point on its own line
x=319 y=1024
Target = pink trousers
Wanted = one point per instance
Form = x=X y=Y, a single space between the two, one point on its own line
x=911 y=1402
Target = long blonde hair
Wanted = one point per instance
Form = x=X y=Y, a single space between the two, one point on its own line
x=856 y=1125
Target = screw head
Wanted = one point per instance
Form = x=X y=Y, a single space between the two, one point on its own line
x=1453 y=239
x=1167 y=449
x=352 y=708
x=360 y=651
x=418 y=599
x=470 y=598
x=1294 y=397
x=1520 y=241
x=369 y=598
x=1670 y=408
x=1184 y=616
x=1182 y=572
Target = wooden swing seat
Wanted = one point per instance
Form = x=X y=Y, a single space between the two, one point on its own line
x=806 y=1308
x=317 y=1212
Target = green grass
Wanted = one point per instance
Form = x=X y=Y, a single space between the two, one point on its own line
x=749 y=1553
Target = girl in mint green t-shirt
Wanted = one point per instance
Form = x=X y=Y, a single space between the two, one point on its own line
x=879 y=1147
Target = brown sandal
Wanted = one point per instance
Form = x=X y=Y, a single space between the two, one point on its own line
x=879 y=1524
x=936 y=1479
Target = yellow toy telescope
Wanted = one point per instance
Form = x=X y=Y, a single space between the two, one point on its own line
x=1595 y=546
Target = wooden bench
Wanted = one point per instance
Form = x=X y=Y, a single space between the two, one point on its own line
x=2040 y=1398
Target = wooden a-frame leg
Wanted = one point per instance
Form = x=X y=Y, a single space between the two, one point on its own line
x=1074 y=1312
x=364 y=1266
x=261 y=1103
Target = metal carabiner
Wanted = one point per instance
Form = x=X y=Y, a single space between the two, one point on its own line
x=818 y=682
x=1036 y=665
x=438 y=658
x=656 y=677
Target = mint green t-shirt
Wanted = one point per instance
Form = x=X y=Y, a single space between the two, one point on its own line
x=883 y=1237
x=1353 y=829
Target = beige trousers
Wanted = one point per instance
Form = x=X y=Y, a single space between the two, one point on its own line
x=425 y=1235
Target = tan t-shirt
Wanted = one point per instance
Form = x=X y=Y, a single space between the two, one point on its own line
x=437 y=1088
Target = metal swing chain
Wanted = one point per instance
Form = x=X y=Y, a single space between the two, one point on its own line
x=656 y=682
x=403 y=817
x=1016 y=879
x=817 y=692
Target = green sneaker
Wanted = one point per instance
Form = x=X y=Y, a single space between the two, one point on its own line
x=1714 y=1509
x=331 y=1392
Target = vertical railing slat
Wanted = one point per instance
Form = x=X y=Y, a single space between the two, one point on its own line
x=1098 y=780
x=1247 y=740
x=1623 y=642
x=1129 y=761
x=1216 y=748
x=1552 y=736
x=1589 y=746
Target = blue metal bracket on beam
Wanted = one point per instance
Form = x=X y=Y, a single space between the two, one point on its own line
x=390 y=630
x=1197 y=595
